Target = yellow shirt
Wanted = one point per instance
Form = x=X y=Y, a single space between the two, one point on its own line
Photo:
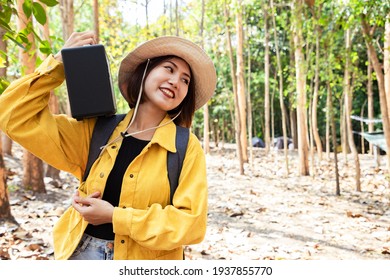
x=145 y=226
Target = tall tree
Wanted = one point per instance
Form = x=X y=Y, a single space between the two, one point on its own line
x=300 y=73
x=334 y=136
x=249 y=102
x=33 y=166
x=5 y=208
x=370 y=100
x=281 y=88
x=386 y=60
x=314 y=106
x=267 y=138
x=347 y=88
x=237 y=122
x=241 y=81
x=177 y=18
x=206 y=127
x=51 y=171
x=67 y=17
x=96 y=19
x=373 y=56
x=7 y=142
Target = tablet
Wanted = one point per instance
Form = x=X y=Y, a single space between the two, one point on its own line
x=88 y=80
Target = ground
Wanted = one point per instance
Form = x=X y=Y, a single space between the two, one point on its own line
x=261 y=215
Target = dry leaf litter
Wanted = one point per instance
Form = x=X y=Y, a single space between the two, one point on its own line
x=262 y=215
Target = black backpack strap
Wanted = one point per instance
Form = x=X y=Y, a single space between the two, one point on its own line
x=175 y=160
x=101 y=133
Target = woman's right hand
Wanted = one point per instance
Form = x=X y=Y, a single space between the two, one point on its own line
x=78 y=39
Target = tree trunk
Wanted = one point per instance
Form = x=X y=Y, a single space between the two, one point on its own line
x=311 y=139
x=386 y=61
x=164 y=28
x=33 y=166
x=234 y=82
x=343 y=129
x=33 y=173
x=303 y=151
x=206 y=117
x=328 y=124
x=381 y=86
x=348 y=107
x=370 y=100
x=293 y=126
x=267 y=121
x=314 y=122
x=5 y=208
x=177 y=18
x=7 y=142
x=363 y=149
x=249 y=102
x=147 y=17
x=281 y=89
x=241 y=82
x=67 y=18
x=96 y=19
x=7 y=145
x=334 y=137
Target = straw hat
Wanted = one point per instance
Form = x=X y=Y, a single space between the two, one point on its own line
x=203 y=71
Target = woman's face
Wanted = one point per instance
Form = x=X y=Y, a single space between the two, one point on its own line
x=167 y=84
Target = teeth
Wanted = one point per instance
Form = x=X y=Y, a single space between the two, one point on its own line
x=168 y=92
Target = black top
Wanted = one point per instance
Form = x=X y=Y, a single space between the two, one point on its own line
x=129 y=150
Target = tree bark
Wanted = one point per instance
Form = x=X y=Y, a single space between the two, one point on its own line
x=7 y=145
x=334 y=137
x=281 y=89
x=241 y=82
x=348 y=107
x=303 y=150
x=206 y=117
x=7 y=142
x=234 y=82
x=327 y=134
x=96 y=19
x=370 y=100
x=314 y=121
x=249 y=102
x=67 y=18
x=386 y=61
x=177 y=18
x=5 y=208
x=381 y=86
x=267 y=138
x=33 y=173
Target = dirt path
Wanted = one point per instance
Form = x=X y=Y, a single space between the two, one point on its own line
x=264 y=216
x=260 y=215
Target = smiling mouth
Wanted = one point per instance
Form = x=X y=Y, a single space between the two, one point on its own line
x=167 y=92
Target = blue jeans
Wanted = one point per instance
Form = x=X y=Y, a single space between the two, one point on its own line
x=92 y=248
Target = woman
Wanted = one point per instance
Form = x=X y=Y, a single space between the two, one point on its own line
x=122 y=210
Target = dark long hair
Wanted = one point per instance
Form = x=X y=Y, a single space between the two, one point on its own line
x=187 y=106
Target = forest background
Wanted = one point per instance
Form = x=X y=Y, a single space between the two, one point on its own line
x=300 y=73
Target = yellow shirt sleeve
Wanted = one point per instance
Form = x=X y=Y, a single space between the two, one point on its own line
x=25 y=117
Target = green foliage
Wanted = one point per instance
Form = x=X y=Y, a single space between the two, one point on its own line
x=119 y=34
x=3 y=84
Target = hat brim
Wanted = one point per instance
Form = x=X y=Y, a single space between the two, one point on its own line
x=202 y=67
